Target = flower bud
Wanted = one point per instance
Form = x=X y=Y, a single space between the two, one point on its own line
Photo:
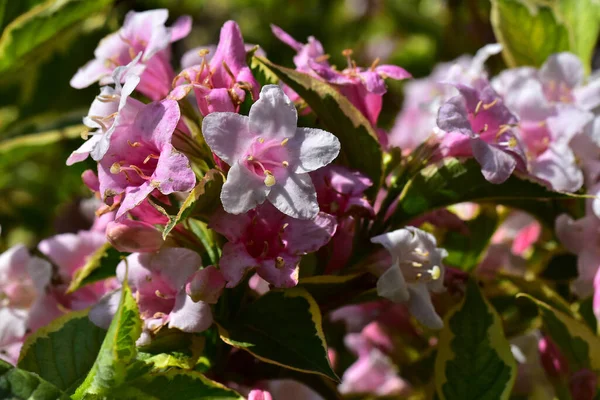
x=206 y=285
x=582 y=385
x=134 y=236
x=258 y=394
x=553 y=361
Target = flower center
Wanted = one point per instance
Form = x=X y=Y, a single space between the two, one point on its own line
x=417 y=267
x=268 y=160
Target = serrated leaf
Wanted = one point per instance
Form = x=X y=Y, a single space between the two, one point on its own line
x=118 y=349
x=474 y=361
x=16 y=384
x=100 y=265
x=35 y=30
x=360 y=147
x=453 y=181
x=175 y=384
x=532 y=30
x=283 y=328
x=64 y=351
x=201 y=200
x=576 y=341
x=465 y=251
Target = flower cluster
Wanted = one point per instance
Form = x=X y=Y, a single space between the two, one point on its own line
x=214 y=196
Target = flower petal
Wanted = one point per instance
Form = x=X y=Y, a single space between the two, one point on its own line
x=102 y=313
x=421 y=307
x=173 y=172
x=273 y=115
x=227 y=135
x=392 y=285
x=286 y=38
x=188 y=316
x=235 y=262
x=157 y=121
x=392 y=71
x=307 y=236
x=296 y=197
x=317 y=148
x=496 y=164
x=242 y=190
x=284 y=275
x=562 y=68
x=453 y=117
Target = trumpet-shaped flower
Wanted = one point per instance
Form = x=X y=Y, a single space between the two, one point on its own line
x=142 y=159
x=478 y=124
x=112 y=109
x=145 y=33
x=415 y=271
x=269 y=156
x=219 y=84
x=269 y=241
x=158 y=281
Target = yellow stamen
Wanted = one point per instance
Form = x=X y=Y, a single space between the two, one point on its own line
x=284 y=141
x=490 y=105
x=285 y=164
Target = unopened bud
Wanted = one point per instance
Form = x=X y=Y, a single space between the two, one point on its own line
x=258 y=394
x=134 y=236
x=553 y=361
x=582 y=385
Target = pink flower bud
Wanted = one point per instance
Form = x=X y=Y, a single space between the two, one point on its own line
x=134 y=236
x=206 y=285
x=583 y=385
x=553 y=361
x=258 y=394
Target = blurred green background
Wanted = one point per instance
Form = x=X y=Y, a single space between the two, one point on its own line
x=39 y=194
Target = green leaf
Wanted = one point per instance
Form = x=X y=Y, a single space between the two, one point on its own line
x=360 y=147
x=118 y=349
x=34 y=31
x=453 y=181
x=465 y=251
x=201 y=200
x=173 y=348
x=532 y=30
x=64 y=351
x=283 y=328
x=40 y=140
x=16 y=384
x=100 y=265
x=576 y=341
x=175 y=384
x=335 y=290
x=474 y=360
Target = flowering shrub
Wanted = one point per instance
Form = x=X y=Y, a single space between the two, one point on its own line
x=257 y=232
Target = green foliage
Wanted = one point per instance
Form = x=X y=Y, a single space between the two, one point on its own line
x=118 y=349
x=465 y=251
x=453 y=181
x=16 y=384
x=574 y=338
x=63 y=352
x=201 y=200
x=100 y=265
x=360 y=147
x=31 y=33
x=283 y=328
x=530 y=31
x=474 y=360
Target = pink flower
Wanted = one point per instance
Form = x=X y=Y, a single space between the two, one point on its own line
x=269 y=156
x=415 y=271
x=22 y=282
x=423 y=97
x=364 y=87
x=269 y=241
x=373 y=373
x=258 y=394
x=478 y=124
x=142 y=158
x=206 y=285
x=158 y=282
x=553 y=361
x=145 y=33
x=219 y=83
x=112 y=109
x=581 y=237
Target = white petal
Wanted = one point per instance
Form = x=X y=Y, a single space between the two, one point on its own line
x=421 y=307
x=273 y=115
x=227 y=135
x=242 y=190
x=189 y=316
x=397 y=242
x=392 y=286
x=103 y=312
x=295 y=197
x=317 y=148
